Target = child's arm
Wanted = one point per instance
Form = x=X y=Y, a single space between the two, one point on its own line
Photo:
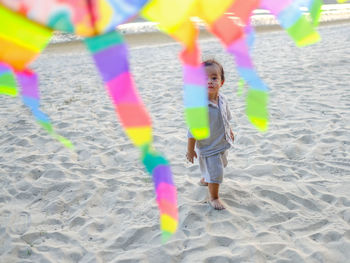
x=229 y=117
x=232 y=135
x=191 y=153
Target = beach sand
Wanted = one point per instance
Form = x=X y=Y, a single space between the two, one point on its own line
x=286 y=190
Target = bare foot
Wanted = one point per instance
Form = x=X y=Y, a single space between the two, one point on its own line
x=216 y=204
x=202 y=182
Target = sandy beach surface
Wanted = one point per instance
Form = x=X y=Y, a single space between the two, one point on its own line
x=286 y=190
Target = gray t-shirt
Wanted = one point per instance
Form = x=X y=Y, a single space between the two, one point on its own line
x=217 y=142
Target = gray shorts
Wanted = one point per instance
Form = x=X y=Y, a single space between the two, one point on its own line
x=212 y=167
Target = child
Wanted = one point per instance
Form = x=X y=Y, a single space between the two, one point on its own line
x=213 y=150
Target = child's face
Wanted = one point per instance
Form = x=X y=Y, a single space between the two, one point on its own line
x=214 y=79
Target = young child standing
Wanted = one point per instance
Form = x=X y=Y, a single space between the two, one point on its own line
x=213 y=150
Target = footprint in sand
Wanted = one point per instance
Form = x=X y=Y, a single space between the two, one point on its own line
x=20 y=223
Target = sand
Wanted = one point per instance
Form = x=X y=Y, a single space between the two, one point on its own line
x=286 y=190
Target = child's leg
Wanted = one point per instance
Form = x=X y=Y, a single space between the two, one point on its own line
x=214 y=196
x=212 y=173
x=204 y=173
x=224 y=158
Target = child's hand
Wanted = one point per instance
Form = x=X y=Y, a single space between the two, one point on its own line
x=190 y=155
x=232 y=135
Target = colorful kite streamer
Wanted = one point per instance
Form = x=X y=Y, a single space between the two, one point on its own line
x=8 y=84
x=106 y=49
x=21 y=41
x=26 y=27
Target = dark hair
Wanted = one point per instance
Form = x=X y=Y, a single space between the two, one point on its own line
x=211 y=62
